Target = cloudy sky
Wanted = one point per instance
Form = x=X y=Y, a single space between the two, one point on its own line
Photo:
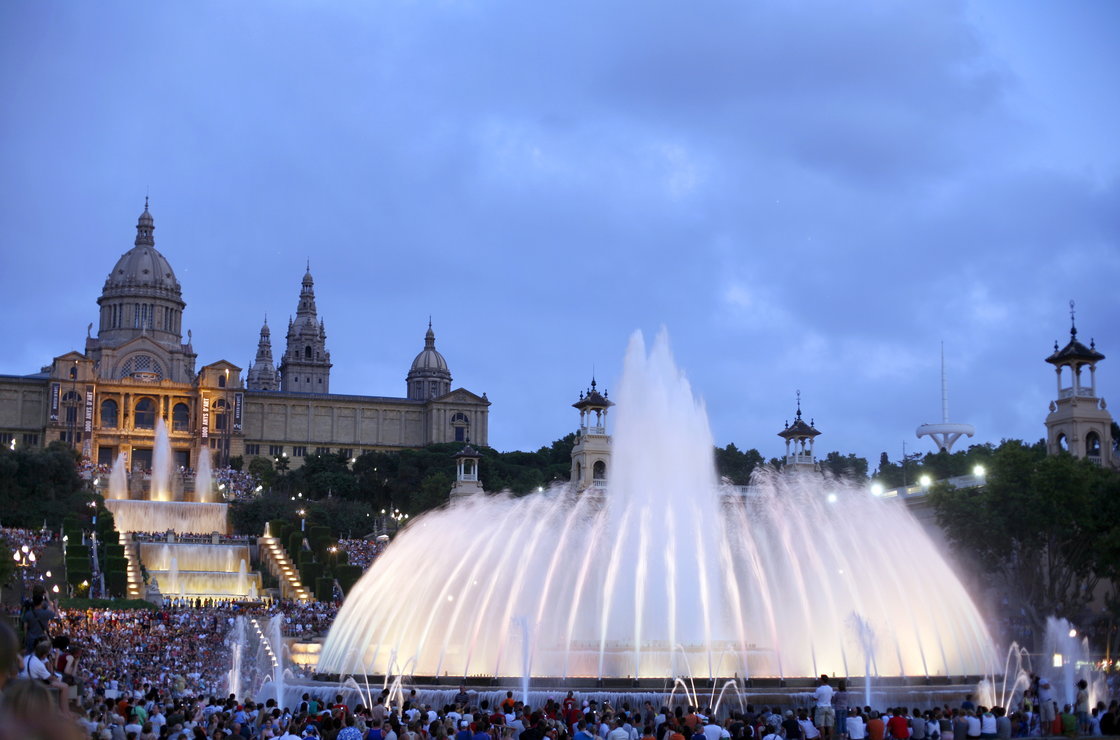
x=806 y=195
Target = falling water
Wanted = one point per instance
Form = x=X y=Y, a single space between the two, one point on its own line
x=668 y=574
x=276 y=638
x=242 y=579
x=1068 y=653
x=161 y=464
x=174 y=586
x=236 y=644
x=203 y=485
x=118 y=478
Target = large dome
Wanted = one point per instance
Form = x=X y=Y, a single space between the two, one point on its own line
x=429 y=360
x=143 y=266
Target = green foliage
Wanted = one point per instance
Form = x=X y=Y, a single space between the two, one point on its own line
x=295 y=544
x=324 y=589
x=850 y=467
x=116 y=581
x=309 y=571
x=737 y=466
x=1047 y=528
x=114 y=551
x=38 y=484
x=276 y=527
x=77 y=551
x=111 y=538
x=263 y=470
x=237 y=463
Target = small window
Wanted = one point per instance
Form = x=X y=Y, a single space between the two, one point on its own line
x=599 y=470
x=30 y=440
x=73 y=372
x=251 y=449
x=276 y=450
x=346 y=452
x=6 y=439
x=322 y=450
x=299 y=451
x=307 y=352
x=222 y=380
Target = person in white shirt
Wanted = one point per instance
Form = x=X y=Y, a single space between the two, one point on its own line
x=619 y=732
x=823 y=713
x=857 y=728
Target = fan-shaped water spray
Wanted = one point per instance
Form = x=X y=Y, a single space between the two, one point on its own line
x=667 y=574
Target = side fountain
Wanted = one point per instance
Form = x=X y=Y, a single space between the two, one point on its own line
x=668 y=579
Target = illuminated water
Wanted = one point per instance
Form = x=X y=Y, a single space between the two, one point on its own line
x=669 y=574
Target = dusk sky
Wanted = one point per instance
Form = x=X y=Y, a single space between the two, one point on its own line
x=806 y=195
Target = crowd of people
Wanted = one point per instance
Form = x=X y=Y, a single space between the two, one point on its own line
x=361 y=552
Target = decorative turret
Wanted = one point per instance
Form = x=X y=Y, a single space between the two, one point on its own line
x=1078 y=422
x=306 y=366
x=467 y=481
x=592 y=451
x=262 y=373
x=799 y=438
x=429 y=376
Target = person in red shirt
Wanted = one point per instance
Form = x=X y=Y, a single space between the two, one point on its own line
x=898 y=725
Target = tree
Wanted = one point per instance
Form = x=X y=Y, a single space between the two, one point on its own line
x=737 y=466
x=1044 y=527
x=38 y=484
x=848 y=466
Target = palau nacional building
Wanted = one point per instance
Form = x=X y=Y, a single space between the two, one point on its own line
x=136 y=368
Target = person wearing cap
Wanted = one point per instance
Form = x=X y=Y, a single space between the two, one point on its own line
x=791 y=726
x=464 y=732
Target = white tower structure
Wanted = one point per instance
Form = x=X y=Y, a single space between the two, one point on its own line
x=592 y=452
x=467 y=481
x=1079 y=422
x=799 y=438
x=945 y=434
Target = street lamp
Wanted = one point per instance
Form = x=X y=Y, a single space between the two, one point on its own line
x=302 y=520
x=25 y=559
x=978 y=471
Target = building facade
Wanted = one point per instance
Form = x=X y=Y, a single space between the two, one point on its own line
x=136 y=369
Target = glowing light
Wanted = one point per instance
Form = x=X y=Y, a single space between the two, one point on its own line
x=15 y=556
x=1058 y=662
x=48 y=574
x=978 y=471
x=876 y=488
x=55 y=588
x=926 y=481
x=832 y=498
x=1073 y=633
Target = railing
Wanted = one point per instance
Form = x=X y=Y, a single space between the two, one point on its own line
x=469 y=476
x=1095 y=459
x=602 y=431
x=800 y=459
x=1080 y=392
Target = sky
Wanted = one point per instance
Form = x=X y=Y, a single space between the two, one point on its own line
x=806 y=195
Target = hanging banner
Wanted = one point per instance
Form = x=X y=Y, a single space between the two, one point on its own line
x=89 y=410
x=56 y=391
x=205 y=417
x=238 y=402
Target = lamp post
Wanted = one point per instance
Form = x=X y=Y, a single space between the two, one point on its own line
x=302 y=520
x=25 y=558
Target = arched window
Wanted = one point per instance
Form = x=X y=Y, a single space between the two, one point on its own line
x=1063 y=443
x=599 y=470
x=108 y=414
x=1093 y=444
x=71 y=401
x=579 y=470
x=222 y=381
x=145 y=416
x=73 y=372
x=221 y=415
x=307 y=352
x=181 y=418
x=461 y=424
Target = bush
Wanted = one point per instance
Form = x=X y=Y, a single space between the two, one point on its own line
x=308 y=572
x=77 y=551
x=295 y=544
x=116 y=581
x=276 y=527
x=114 y=551
x=112 y=537
x=324 y=589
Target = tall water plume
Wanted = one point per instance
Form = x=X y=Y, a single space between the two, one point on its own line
x=161 y=464
x=668 y=574
x=118 y=478
x=203 y=483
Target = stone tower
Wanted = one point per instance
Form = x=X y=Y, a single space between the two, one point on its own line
x=306 y=366
x=428 y=377
x=262 y=373
x=591 y=454
x=799 y=438
x=1079 y=422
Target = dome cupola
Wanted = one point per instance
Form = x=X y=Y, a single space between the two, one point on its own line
x=429 y=376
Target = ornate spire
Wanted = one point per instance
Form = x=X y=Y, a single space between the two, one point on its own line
x=144 y=228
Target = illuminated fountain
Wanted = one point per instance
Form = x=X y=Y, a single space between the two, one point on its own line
x=669 y=574
x=201 y=566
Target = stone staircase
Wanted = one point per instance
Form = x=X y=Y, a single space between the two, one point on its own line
x=275 y=558
x=136 y=589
